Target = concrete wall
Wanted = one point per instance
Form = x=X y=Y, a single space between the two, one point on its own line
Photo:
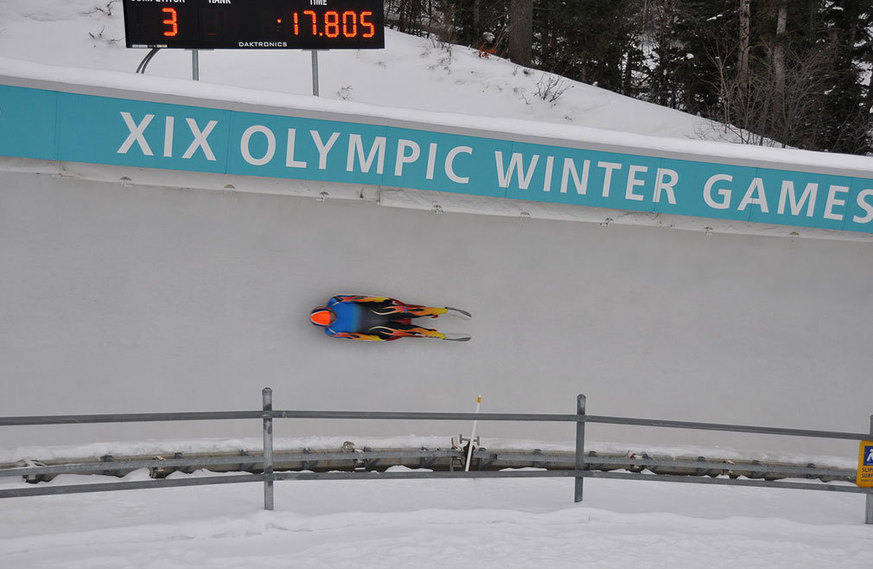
x=127 y=299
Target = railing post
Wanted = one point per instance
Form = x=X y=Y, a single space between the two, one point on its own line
x=868 y=518
x=267 y=394
x=580 y=446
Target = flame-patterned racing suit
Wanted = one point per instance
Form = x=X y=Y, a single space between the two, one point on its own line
x=378 y=318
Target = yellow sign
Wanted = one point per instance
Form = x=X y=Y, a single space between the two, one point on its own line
x=865 y=465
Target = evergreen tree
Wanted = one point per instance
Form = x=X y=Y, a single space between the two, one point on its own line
x=587 y=40
x=702 y=50
x=845 y=100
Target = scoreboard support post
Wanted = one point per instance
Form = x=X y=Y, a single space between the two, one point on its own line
x=314 y=73
x=195 y=64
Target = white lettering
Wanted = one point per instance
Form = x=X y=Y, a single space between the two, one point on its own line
x=267 y=44
x=607 y=176
x=570 y=170
x=450 y=159
x=136 y=134
x=547 y=180
x=290 y=162
x=756 y=188
x=834 y=201
x=787 y=195
x=403 y=158
x=632 y=182
x=516 y=164
x=662 y=185
x=245 y=140
x=431 y=160
x=169 y=123
x=866 y=206
x=200 y=139
x=356 y=147
x=724 y=193
x=323 y=148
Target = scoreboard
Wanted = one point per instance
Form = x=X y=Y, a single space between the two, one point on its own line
x=254 y=24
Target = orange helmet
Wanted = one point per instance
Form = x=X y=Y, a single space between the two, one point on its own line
x=322 y=316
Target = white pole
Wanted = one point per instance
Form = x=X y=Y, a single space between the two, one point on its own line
x=472 y=436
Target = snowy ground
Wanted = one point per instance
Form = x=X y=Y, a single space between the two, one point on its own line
x=409 y=523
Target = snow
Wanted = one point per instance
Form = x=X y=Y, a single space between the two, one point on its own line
x=137 y=297
x=411 y=73
x=432 y=523
x=150 y=448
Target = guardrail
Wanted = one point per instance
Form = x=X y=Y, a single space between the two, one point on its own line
x=582 y=467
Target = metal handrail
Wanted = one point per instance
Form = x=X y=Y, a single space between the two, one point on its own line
x=128 y=418
x=422 y=416
x=267 y=414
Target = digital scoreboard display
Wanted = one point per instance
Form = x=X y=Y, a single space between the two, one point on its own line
x=254 y=24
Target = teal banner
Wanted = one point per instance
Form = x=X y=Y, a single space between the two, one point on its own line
x=52 y=125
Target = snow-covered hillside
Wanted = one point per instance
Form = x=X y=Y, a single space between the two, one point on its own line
x=411 y=72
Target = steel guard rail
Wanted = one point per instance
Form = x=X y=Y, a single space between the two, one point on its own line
x=267 y=414
x=425 y=416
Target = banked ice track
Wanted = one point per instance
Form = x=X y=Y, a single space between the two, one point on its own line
x=141 y=280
